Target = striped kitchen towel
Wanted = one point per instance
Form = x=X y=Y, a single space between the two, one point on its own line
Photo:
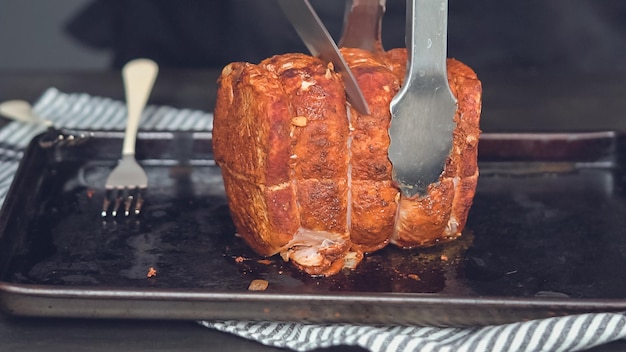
x=81 y=111
x=571 y=333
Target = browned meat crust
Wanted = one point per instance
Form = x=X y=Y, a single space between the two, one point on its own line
x=308 y=177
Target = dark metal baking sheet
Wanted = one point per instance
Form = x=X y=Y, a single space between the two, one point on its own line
x=545 y=237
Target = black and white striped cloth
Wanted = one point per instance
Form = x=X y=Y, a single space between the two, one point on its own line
x=572 y=333
x=84 y=112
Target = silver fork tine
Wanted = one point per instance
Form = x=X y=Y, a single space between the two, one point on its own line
x=128 y=202
x=139 y=76
x=138 y=203
x=118 y=202
x=106 y=203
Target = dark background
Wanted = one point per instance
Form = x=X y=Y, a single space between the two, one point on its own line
x=576 y=35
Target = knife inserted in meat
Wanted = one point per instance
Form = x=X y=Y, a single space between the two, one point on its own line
x=321 y=44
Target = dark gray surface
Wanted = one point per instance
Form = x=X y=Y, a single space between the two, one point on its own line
x=121 y=335
x=18 y=334
x=527 y=101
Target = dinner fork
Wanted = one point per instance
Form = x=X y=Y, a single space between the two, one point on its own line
x=128 y=180
x=22 y=111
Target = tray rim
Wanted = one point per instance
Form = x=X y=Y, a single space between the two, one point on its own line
x=202 y=304
x=197 y=304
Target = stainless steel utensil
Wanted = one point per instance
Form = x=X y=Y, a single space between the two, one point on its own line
x=319 y=42
x=423 y=110
x=128 y=179
x=22 y=111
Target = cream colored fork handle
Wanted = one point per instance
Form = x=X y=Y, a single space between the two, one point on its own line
x=21 y=110
x=139 y=76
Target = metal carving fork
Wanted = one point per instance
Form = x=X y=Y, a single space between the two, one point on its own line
x=127 y=181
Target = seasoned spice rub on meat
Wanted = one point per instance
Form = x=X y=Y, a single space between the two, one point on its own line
x=308 y=177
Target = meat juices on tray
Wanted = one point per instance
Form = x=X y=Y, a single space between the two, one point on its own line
x=308 y=177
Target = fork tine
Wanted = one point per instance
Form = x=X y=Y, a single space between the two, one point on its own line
x=128 y=202
x=131 y=199
x=106 y=203
x=119 y=193
x=138 y=203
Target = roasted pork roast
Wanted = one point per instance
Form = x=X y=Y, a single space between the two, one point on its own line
x=308 y=177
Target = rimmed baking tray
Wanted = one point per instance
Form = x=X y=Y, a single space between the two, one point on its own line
x=545 y=237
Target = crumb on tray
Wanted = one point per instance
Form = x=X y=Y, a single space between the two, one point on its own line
x=151 y=272
x=414 y=277
x=258 y=285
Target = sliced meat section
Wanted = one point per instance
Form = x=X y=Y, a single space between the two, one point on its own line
x=280 y=135
x=373 y=195
x=251 y=142
x=441 y=214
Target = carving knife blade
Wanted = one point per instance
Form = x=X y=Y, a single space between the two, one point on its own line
x=319 y=42
x=422 y=113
